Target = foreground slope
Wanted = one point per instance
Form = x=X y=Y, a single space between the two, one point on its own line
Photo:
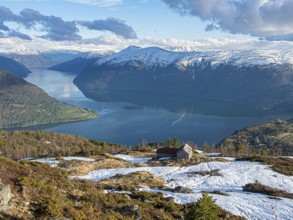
x=227 y=186
x=205 y=82
x=42 y=192
x=24 y=104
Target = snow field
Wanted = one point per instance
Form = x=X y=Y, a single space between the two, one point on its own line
x=234 y=175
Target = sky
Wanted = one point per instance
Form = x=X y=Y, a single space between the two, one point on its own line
x=102 y=25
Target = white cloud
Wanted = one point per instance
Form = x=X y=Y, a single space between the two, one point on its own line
x=100 y=3
x=115 y=43
x=270 y=19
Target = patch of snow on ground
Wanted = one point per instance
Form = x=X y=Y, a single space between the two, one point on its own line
x=165 y=158
x=211 y=154
x=79 y=159
x=226 y=158
x=133 y=159
x=235 y=175
x=98 y=175
x=52 y=161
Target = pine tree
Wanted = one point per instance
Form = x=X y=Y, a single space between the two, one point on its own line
x=204 y=209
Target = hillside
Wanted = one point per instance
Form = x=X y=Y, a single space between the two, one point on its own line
x=10 y=65
x=23 y=104
x=41 y=191
x=133 y=184
x=74 y=66
x=275 y=136
x=217 y=82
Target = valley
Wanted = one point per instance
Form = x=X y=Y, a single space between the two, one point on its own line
x=146 y=110
x=151 y=123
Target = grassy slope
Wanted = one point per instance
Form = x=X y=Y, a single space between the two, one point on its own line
x=23 y=104
x=23 y=144
x=42 y=192
x=273 y=135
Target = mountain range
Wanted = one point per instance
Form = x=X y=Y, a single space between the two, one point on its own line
x=42 y=59
x=215 y=82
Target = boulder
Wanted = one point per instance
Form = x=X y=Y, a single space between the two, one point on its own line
x=5 y=197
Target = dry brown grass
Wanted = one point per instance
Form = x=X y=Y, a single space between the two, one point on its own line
x=267 y=190
x=79 y=168
x=142 y=154
x=133 y=181
x=280 y=165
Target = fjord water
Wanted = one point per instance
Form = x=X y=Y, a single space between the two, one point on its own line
x=128 y=124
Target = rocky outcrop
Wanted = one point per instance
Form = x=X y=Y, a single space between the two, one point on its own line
x=5 y=197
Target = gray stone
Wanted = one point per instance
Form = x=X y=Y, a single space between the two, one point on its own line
x=5 y=197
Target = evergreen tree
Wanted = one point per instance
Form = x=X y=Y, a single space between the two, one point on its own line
x=204 y=209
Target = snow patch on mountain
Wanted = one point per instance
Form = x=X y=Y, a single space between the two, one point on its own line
x=154 y=57
x=151 y=57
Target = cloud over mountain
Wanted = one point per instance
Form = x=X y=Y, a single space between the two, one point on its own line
x=114 y=25
x=267 y=19
x=55 y=28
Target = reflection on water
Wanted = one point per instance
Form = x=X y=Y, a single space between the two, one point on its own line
x=128 y=124
x=56 y=84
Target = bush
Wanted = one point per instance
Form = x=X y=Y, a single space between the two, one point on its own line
x=267 y=190
x=204 y=209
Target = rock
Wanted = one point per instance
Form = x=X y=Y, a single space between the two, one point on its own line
x=169 y=199
x=181 y=189
x=5 y=197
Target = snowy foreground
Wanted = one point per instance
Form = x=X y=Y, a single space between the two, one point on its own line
x=133 y=159
x=54 y=162
x=235 y=174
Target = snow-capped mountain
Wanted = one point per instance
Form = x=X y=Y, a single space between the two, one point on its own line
x=148 y=57
x=256 y=80
x=157 y=57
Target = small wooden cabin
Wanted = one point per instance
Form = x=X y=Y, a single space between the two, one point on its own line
x=167 y=152
x=183 y=152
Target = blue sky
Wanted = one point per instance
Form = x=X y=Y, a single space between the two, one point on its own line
x=174 y=23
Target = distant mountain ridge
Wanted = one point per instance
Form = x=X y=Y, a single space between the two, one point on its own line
x=42 y=60
x=217 y=82
x=10 y=65
x=74 y=66
x=24 y=104
x=156 y=57
x=46 y=59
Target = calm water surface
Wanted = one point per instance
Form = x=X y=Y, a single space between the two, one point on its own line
x=128 y=124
